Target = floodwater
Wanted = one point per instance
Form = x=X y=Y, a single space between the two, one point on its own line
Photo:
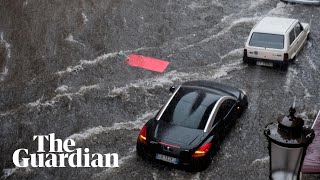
x=63 y=71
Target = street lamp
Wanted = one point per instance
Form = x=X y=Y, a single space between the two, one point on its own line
x=288 y=142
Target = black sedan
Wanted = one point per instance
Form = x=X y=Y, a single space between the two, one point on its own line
x=188 y=129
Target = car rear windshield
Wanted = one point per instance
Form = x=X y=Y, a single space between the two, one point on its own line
x=275 y=41
x=190 y=108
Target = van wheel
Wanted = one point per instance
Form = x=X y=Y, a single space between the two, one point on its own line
x=245 y=59
x=308 y=36
x=250 y=62
x=284 y=66
x=293 y=60
x=202 y=163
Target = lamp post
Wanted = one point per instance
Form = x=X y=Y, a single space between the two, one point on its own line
x=287 y=143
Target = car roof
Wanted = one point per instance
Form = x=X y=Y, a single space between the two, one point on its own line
x=203 y=97
x=214 y=87
x=274 y=25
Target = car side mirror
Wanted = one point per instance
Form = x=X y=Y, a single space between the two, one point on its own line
x=172 y=89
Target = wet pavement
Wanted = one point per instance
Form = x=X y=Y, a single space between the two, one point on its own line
x=63 y=71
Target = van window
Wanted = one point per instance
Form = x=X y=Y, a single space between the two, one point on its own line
x=291 y=36
x=275 y=41
x=298 y=28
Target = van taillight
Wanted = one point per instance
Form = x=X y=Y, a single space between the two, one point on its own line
x=286 y=56
x=245 y=52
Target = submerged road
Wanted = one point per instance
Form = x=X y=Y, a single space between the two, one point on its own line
x=63 y=71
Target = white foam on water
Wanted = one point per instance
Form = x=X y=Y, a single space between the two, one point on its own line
x=130 y=125
x=6 y=113
x=306 y=91
x=281 y=9
x=308 y=116
x=200 y=5
x=99 y=59
x=7 y=172
x=224 y=70
x=303 y=115
x=217 y=3
x=62 y=89
x=83 y=89
x=122 y=161
x=288 y=82
x=4 y=73
x=70 y=69
x=260 y=161
x=256 y=3
x=227 y=155
x=35 y=104
x=233 y=24
x=195 y=5
x=311 y=63
x=172 y=76
x=226 y=18
x=154 y=175
x=224 y=31
x=7 y=46
x=290 y=76
x=151 y=83
x=71 y=39
x=309 y=44
x=196 y=176
x=85 y=18
x=235 y=52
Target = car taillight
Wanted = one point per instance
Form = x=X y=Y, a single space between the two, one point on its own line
x=245 y=52
x=286 y=56
x=202 y=150
x=143 y=135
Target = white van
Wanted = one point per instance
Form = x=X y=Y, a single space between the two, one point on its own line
x=275 y=41
x=311 y=2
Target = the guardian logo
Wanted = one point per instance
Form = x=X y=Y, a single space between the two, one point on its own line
x=60 y=154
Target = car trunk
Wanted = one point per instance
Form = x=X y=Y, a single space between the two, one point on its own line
x=265 y=53
x=177 y=135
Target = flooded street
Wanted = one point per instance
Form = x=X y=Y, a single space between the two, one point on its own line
x=63 y=70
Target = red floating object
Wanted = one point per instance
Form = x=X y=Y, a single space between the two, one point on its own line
x=147 y=63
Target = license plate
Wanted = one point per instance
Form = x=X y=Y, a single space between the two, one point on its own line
x=261 y=63
x=167 y=158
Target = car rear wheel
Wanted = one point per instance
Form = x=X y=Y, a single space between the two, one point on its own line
x=248 y=61
x=141 y=153
x=242 y=109
x=293 y=60
x=201 y=164
x=284 y=66
x=245 y=59
x=308 y=36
